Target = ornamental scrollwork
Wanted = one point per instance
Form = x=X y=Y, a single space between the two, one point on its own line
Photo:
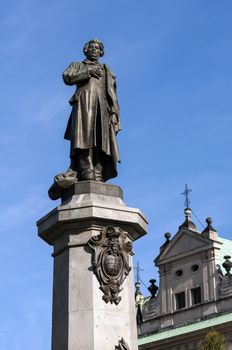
x=110 y=261
x=122 y=345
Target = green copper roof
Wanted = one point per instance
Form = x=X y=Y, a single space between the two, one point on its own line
x=186 y=329
x=226 y=248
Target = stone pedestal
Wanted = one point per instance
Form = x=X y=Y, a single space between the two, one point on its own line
x=81 y=319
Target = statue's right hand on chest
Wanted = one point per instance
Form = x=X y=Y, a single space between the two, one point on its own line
x=95 y=72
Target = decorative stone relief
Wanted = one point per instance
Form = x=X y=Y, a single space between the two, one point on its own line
x=151 y=309
x=122 y=345
x=111 y=261
x=225 y=286
x=225 y=281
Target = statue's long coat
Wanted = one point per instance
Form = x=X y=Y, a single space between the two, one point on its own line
x=92 y=104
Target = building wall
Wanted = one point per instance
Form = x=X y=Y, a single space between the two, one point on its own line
x=205 y=277
x=177 y=257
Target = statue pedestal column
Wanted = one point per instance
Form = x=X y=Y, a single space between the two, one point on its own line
x=91 y=232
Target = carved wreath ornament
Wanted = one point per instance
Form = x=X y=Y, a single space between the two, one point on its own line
x=111 y=261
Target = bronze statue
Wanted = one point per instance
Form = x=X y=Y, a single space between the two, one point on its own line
x=94 y=120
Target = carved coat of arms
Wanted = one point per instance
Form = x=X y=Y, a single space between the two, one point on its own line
x=111 y=261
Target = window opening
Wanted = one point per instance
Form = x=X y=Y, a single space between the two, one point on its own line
x=180 y=300
x=179 y=273
x=196 y=295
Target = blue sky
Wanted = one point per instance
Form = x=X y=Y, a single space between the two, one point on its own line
x=172 y=59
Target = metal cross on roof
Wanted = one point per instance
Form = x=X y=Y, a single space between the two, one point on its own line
x=186 y=194
x=137 y=268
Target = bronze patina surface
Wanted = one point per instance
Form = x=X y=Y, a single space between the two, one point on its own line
x=93 y=123
x=94 y=120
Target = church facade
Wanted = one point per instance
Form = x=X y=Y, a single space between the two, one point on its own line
x=195 y=291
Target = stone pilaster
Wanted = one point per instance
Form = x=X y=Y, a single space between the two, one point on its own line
x=163 y=288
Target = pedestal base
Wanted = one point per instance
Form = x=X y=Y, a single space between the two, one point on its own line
x=81 y=319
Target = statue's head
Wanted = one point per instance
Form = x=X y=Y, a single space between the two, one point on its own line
x=93 y=49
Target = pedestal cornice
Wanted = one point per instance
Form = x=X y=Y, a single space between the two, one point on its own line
x=87 y=204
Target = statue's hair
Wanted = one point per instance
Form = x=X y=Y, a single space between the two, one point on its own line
x=95 y=41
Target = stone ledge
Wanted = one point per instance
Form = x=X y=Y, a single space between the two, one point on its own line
x=55 y=223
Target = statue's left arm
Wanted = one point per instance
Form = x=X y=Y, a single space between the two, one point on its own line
x=113 y=105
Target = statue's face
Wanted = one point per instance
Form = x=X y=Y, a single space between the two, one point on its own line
x=93 y=52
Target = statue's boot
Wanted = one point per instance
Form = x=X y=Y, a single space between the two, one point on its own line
x=87 y=174
x=98 y=176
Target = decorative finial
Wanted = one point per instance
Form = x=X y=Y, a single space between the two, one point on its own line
x=153 y=288
x=167 y=236
x=186 y=194
x=137 y=288
x=209 y=231
x=188 y=223
x=209 y=226
x=188 y=213
x=227 y=265
x=138 y=294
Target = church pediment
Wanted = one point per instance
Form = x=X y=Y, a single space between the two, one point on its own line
x=185 y=241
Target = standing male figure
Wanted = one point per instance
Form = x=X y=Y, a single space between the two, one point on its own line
x=94 y=120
